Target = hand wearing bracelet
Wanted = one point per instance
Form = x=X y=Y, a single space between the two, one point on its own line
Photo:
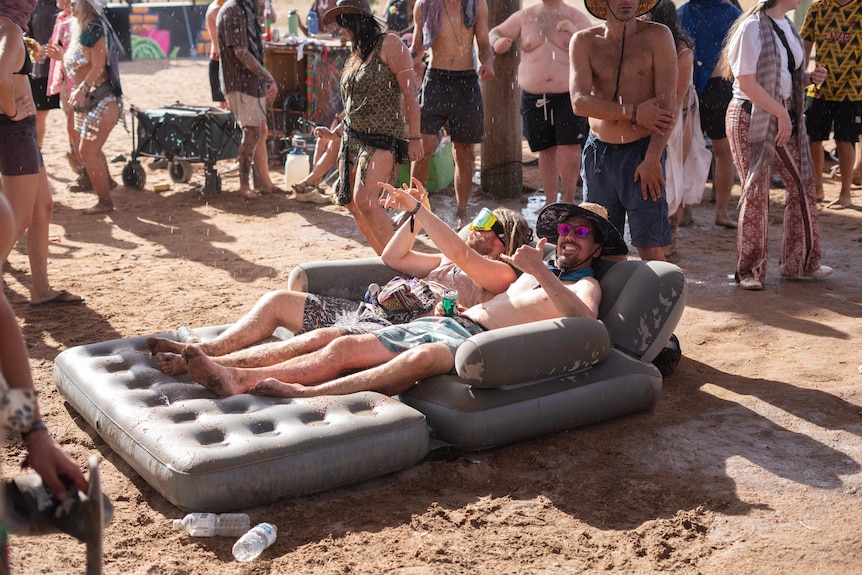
x=635 y=116
x=37 y=426
x=413 y=216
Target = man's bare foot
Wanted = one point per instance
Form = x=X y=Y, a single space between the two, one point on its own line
x=271 y=189
x=160 y=344
x=685 y=216
x=274 y=388
x=249 y=193
x=216 y=378
x=839 y=204
x=100 y=208
x=171 y=363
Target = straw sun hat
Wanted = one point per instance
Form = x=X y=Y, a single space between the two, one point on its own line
x=599 y=8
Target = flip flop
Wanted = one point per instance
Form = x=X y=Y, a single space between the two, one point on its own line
x=63 y=297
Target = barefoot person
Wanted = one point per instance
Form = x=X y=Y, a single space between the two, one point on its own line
x=22 y=171
x=450 y=91
x=476 y=272
x=246 y=84
x=392 y=359
x=833 y=29
x=623 y=78
x=96 y=97
x=550 y=126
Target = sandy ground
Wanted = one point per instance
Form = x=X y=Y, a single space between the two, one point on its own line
x=750 y=463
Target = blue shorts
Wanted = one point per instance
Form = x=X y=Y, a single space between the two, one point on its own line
x=451 y=331
x=608 y=174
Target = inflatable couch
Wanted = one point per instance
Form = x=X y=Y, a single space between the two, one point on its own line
x=206 y=453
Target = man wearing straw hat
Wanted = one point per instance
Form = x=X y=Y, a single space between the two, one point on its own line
x=623 y=78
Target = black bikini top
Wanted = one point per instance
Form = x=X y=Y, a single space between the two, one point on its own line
x=27 y=66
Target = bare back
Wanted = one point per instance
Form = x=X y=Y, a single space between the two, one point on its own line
x=648 y=70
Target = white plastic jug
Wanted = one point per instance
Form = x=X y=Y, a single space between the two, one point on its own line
x=296 y=166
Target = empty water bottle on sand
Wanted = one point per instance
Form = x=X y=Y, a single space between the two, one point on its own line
x=254 y=542
x=212 y=524
x=296 y=165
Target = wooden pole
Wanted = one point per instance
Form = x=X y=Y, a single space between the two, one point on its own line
x=502 y=175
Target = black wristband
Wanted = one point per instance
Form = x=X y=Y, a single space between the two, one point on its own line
x=37 y=426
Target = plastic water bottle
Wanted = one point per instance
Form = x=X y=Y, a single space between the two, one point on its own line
x=254 y=542
x=371 y=294
x=312 y=24
x=212 y=524
x=267 y=18
x=296 y=165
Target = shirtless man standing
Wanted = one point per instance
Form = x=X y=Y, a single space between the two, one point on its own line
x=623 y=78
x=392 y=359
x=450 y=91
x=551 y=127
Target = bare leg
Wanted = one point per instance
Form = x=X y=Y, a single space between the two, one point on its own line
x=340 y=356
x=371 y=219
x=465 y=158
x=262 y=355
x=857 y=167
x=261 y=163
x=817 y=167
x=722 y=182
x=422 y=167
x=393 y=377
x=845 y=165
x=91 y=155
x=279 y=308
x=549 y=172
x=41 y=123
x=247 y=149
x=569 y=159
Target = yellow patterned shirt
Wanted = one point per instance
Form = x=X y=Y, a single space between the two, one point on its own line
x=836 y=32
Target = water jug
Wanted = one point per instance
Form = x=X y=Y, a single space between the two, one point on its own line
x=296 y=166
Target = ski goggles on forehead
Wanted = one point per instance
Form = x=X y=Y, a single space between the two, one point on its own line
x=486 y=221
x=565 y=229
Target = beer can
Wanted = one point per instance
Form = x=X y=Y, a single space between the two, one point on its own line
x=449 y=301
x=161 y=188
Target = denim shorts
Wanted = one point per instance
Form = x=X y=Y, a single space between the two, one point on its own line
x=608 y=173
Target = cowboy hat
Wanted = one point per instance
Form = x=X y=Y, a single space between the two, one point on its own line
x=349 y=7
x=554 y=214
x=599 y=8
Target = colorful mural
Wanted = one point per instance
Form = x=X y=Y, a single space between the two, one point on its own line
x=163 y=30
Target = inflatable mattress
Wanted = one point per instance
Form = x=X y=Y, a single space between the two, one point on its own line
x=205 y=453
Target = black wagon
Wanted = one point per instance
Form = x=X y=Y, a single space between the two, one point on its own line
x=182 y=135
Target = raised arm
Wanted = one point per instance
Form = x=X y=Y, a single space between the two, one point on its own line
x=579 y=299
x=492 y=275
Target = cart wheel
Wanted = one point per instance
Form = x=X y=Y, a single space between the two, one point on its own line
x=134 y=175
x=181 y=171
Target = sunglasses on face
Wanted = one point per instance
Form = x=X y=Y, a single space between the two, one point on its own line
x=486 y=221
x=580 y=231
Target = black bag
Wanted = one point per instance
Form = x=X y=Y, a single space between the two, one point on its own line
x=92 y=99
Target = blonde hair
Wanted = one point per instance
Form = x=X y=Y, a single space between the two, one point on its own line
x=725 y=57
x=88 y=14
x=518 y=231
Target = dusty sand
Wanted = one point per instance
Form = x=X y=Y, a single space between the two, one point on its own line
x=750 y=463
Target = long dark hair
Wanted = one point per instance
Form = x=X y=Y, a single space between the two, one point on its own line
x=665 y=13
x=364 y=30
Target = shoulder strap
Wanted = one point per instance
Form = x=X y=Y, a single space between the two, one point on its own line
x=791 y=61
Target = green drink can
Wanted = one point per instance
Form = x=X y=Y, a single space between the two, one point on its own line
x=449 y=301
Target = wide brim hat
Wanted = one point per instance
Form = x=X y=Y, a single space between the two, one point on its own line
x=348 y=7
x=599 y=8
x=554 y=214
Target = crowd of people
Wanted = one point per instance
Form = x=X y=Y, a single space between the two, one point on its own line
x=620 y=105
